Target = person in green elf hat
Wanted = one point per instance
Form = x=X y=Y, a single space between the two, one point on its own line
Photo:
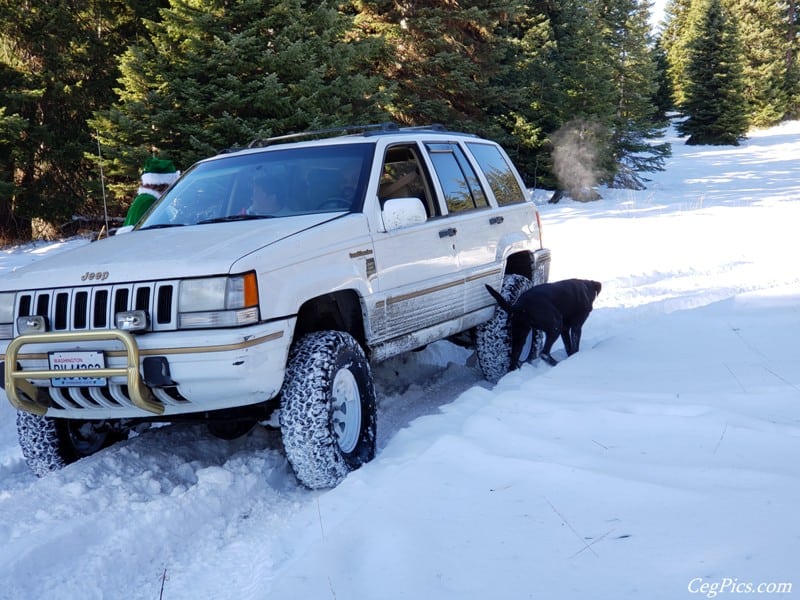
x=158 y=175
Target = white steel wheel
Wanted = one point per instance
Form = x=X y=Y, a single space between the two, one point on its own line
x=346 y=416
x=527 y=346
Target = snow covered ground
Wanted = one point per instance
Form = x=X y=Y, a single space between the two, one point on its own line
x=660 y=462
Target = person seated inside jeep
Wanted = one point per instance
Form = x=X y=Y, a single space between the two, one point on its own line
x=265 y=196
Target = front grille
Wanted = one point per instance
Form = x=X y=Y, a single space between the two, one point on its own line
x=87 y=308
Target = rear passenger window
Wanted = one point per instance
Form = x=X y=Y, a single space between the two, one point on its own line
x=504 y=184
x=459 y=182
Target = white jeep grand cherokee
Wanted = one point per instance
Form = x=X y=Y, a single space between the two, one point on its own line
x=216 y=308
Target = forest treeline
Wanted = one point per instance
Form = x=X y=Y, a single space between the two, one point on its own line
x=578 y=91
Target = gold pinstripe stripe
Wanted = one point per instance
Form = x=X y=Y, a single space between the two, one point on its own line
x=437 y=288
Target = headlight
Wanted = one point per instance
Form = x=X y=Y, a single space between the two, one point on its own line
x=202 y=294
x=7 y=315
x=228 y=301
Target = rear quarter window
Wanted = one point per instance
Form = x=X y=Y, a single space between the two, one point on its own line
x=499 y=173
x=458 y=179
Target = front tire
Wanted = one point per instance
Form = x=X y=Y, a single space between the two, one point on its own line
x=327 y=418
x=493 y=339
x=51 y=444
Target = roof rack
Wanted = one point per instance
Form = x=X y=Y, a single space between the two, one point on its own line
x=330 y=131
x=372 y=129
x=432 y=127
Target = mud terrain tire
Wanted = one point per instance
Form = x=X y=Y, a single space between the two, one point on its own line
x=51 y=444
x=327 y=416
x=493 y=338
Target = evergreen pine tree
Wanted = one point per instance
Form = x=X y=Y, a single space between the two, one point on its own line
x=58 y=65
x=526 y=86
x=663 y=96
x=674 y=40
x=12 y=127
x=762 y=36
x=579 y=98
x=215 y=75
x=634 y=75
x=714 y=105
x=792 y=83
x=587 y=88
x=451 y=63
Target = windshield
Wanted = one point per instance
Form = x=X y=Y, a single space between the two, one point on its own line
x=267 y=184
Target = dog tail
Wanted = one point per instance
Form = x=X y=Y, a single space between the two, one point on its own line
x=500 y=300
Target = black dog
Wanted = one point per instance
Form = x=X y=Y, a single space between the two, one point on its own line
x=555 y=308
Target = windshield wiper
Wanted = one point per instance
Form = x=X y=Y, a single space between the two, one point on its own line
x=235 y=218
x=162 y=226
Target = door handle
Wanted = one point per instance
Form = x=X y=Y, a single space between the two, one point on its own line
x=496 y=220
x=449 y=232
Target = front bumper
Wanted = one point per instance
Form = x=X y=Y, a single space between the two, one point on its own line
x=200 y=371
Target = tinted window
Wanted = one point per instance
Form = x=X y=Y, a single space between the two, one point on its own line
x=459 y=182
x=499 y=173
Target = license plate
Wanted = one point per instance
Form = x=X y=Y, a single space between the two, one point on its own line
x=75 y=361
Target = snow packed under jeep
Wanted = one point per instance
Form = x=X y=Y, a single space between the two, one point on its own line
x=381 y=242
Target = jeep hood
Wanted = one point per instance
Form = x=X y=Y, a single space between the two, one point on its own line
x=153 y=254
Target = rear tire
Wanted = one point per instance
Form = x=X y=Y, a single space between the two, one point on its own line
x=493 y=338
x=328 y=407
x=51 y=444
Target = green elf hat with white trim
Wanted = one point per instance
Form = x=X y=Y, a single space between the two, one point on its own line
x=159 y=171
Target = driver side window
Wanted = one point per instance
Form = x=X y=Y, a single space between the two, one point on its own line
x=403 y=176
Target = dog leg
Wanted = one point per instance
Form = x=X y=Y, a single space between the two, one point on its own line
x=566 y=337
x=548 y=359
x=574 y=333
x=550 y=338
x=575 y=336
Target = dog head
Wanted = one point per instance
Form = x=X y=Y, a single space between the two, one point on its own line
x=593 y=288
